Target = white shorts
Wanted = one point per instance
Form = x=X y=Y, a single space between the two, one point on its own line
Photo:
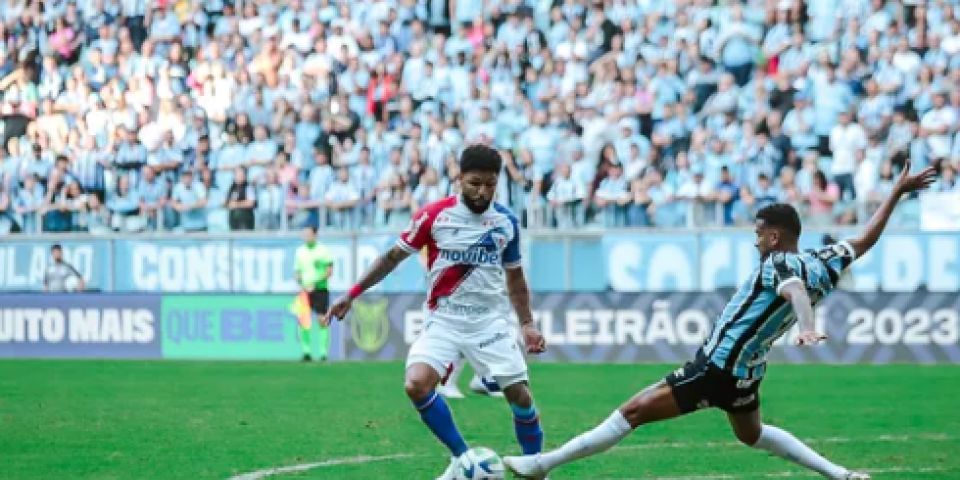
x=493 y=351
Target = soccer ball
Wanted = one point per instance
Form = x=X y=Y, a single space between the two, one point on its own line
x=480 y=463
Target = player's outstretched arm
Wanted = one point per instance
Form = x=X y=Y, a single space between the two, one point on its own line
x=906 y=183
x=520 y=298
x=382 y=266
x=796 y=294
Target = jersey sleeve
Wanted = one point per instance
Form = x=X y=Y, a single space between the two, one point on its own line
x=511 y=254
x=777 y=272
x=417 y=234
x=837 y=258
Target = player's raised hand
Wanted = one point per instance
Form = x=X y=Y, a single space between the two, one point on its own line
x=907 y=183
x=533 y=339
x=338 y=310
x=810 y=337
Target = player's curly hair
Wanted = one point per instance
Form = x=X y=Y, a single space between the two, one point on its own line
x=480 y=158
x=782 y=216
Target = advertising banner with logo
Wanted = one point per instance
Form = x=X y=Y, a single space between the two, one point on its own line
x=620 y=327
x=23 y=263
x=707 y=261
x=249 y=327
x=79 y=326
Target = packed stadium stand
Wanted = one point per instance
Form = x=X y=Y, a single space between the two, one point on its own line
x=211 y=115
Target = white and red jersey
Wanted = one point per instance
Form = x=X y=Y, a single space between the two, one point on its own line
x=466 y=256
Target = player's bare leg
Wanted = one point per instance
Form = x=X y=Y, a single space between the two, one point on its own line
x=420 y=384
x=652 y=404
x=526 y=420
x=750 y=430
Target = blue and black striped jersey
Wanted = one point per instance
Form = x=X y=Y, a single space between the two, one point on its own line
x=757 y=315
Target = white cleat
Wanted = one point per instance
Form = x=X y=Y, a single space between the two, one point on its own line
x=857 y=476
x=527 y=467
x=477 y=386
x=451 y=472
x=450 y=391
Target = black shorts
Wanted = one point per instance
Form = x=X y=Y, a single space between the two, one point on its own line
x=319 y=301
x=701 y=384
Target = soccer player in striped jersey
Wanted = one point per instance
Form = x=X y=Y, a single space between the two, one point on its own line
x=729 y=367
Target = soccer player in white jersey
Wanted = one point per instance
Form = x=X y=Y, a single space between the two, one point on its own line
x=473 y=248
x=729 y=367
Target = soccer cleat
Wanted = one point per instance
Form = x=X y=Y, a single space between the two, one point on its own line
x=450 y=391
x=856 y=476
x=526 y=466
x=478 y=386
x=306 y=357
x=451 y=472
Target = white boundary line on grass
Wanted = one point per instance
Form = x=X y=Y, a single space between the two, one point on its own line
x=804 y=473
x=359 y=459
x=362 y=459
x=928 y=437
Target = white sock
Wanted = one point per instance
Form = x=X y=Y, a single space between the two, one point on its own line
x=783 y=444
x=604 y=436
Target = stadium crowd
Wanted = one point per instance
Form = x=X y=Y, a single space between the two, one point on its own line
x=214 y=115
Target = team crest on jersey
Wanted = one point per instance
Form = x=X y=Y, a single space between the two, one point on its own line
x=370 y=326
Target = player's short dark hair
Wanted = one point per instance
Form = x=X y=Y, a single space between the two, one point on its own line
x=55 y=247
x=480 y=158
x=782 y=216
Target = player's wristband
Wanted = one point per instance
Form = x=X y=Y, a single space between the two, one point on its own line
x=355 y=291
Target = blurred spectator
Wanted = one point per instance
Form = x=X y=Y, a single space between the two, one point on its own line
x=341 y=200
x=847 y=140
x=152 y=193
x=822 y=198
x=269 y=204
x=28 y=204
x=6 y=211
x=566 y=197
x=612 y=197
x=241 y=201
x=124 y=206
x=394 y=202
x=189 y=199
x=728 y=193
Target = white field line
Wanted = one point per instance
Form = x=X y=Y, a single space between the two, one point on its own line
x=791 y=474
x=927 y=437
x=359 y=459
x=363 y=459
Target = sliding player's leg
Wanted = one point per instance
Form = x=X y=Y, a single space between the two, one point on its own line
x=682 y=391
x=653 y=404
x=752 y=432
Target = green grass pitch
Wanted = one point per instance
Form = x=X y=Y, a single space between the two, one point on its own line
x=212 y=420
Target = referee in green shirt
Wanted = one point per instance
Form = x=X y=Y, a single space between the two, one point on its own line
x=313 y=267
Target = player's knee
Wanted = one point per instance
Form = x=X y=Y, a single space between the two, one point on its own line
x=417 y=388
x=747 y=436
x=636 y=408
x=518 y=394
